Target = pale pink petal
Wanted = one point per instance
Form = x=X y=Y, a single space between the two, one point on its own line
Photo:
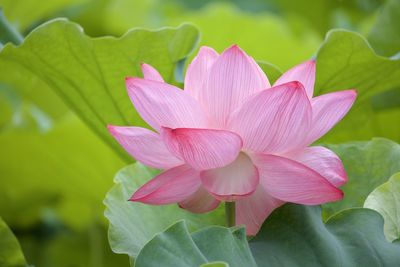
x=303 y=73
x=161 y=104
x=202 y=148
x=145 y=146
x=150 y=73
x=291 y=181
x=171 y=186
x=232 y=182
x=198 y=70
x=254 y=209
x=232 y=79
x=200 y=202
x=275 y=120
x=323 y=161
x=328 y=110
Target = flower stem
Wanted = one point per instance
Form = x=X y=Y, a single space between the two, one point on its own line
x=7 y=32
x=230 y=213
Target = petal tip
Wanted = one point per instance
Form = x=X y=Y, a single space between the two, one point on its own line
x=295 y=85
x=133 y=199
x=129 y=81
x=137 y=197
x=234 y=49
x=340 y=195
x=337 y=195
x=111 y=128
x=132 y=79
x=351 y=94
x=164 y=130
x=205 y=48
x=132 y=82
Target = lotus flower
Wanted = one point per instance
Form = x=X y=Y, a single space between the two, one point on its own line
x=230 y=136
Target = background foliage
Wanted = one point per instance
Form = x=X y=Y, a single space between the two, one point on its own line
x=64 y=83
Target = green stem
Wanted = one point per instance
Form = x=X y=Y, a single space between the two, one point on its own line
x=230 y=213
x=7 y=32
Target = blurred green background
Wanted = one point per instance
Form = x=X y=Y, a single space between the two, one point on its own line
x=55 y=171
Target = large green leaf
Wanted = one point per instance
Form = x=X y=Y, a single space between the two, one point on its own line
x=294 y=235
x=345 y=60
x=368 y=164
x=175 y=247
x=88 y=73
x=10 y=250
x=238 y=255
x=133 y=224
x=386 y=200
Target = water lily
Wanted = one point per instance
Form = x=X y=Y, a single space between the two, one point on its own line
x=231 y=136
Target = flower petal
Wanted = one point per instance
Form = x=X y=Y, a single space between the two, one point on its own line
x=233 y=77
x=171 y=186
x=328 y=110
x=275 y=120
x=323 y=161
x=291 y=181
x=200 y=202
x=163 y=104
x=145 y=146
x=238 y=179
x=150 y=73
x=202 y=148
x=303 y=73
x=198 y=70
x=254 y=209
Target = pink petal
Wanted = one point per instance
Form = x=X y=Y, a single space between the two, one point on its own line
x=200 y=202
x=274 y=120
x=202 y=148
x=163 y=104
x=254 y=209
x=232 y=182
x=150 y=73
x=233 y=77
x=291 y=181
x=323 y=161
x=171 y=186
x=144 y=145
x=328 y=110
x=303 y=73
x=198 y=70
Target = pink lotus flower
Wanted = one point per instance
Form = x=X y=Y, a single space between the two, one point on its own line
x=230 y=136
